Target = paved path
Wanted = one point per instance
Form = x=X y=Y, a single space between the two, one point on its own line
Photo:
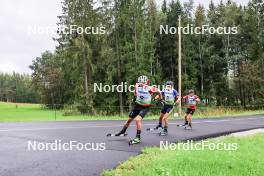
x=16 y=159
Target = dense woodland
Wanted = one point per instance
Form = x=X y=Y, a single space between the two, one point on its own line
x=17 y=88
x=226 y=69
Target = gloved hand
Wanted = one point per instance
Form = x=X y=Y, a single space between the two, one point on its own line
x=158 y=101
x=134 y=100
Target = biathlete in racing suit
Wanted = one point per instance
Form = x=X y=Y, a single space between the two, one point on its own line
x=142 y=98
x=191 y=100
x=170 y=97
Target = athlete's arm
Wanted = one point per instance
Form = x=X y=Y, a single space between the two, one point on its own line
x=160 y=96
x=177 y=97
x=135 y=90
x=197 y=99
x=156 y=90
x=184 y=98
x=135 y=94
x=157 y=97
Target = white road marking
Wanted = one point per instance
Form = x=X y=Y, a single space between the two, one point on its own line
x=113 y=126
x=226 y=120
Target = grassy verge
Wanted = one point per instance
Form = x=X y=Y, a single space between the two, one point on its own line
x=11 y=112
x=247 y=160
x=222 y=112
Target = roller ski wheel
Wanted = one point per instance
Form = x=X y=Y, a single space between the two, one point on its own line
x=155 y=128
x=116 y=135
x=163 y=133
x=188 y=127
x=183 y=125
x=134 y=141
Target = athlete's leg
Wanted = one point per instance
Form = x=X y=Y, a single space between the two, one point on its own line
x=137 y=139
x=186 y=119
x=166 y=121
x=126 y=125
x=131 y=116
x=138 y=120
x=187 y=112
x=160 y=119
x=189 y=118
x=128 y=122
x=162 y=112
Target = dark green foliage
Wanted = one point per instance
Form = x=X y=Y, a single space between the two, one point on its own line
x=225 y=68
x=17 y=88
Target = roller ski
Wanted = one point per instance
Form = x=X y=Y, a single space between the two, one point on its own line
x=136 y=140
x=188 y=127
x=116 y=135
x=163 y=133
x=182 y=125
x=155 y=128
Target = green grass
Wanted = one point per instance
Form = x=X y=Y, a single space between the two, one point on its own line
x=222 y=112
x=247 y=160
x=11 y=112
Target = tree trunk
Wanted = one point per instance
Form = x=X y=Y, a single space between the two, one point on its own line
x=240 y=91
x=85 y=74
x=121 y=108
x=135 y=37
x=201 y=67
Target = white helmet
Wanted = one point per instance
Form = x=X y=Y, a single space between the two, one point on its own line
x=143 y=79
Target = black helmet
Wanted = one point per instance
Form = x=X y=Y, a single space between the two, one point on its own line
x=169 y=83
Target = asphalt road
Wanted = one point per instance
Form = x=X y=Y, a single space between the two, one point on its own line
x=16 y=159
